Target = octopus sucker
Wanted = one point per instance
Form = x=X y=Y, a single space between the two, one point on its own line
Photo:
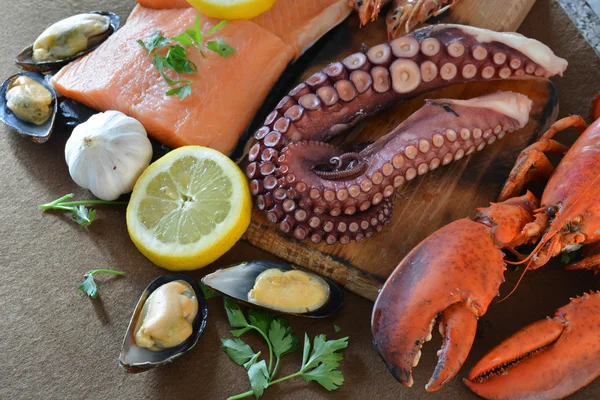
x=316 y=191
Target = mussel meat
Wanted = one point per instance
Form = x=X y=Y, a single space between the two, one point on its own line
x=68 y=40
x=278 y=287
x=28 y=104
x=167 y=323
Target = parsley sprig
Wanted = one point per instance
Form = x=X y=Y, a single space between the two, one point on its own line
x=81 y=214
x=176 y=58
x=320 y=361
x=89 y=287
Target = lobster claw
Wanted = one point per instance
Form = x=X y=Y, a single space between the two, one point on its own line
x=548 y=359
x=453 y=274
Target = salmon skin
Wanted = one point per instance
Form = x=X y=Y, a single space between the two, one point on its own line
x=226 y=92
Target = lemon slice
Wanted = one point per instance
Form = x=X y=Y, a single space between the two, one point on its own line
x=188 y=208
x=232 y=9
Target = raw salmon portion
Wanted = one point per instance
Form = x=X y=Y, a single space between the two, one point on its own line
x=299 y=23
x=226 y=92
x=161 y=4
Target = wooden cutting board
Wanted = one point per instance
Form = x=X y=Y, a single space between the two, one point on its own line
x=430 y=201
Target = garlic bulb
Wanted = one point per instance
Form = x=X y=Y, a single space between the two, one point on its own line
x=108 y=153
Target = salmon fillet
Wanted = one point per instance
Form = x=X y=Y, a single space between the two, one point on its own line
x=161 y=4
x=226 y=92
x=299 y=23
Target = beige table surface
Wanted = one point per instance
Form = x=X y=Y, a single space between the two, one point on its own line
x=57 y=344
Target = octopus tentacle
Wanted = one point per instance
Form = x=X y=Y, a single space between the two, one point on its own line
x=286 y=164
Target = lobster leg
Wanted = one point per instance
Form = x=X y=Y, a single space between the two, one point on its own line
x=533 y=159
x=548 y=359
x=591 y=263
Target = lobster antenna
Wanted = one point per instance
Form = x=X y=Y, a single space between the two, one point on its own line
x=517 y=285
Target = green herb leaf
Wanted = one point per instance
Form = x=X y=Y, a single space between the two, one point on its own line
x=216 y=28
x=238 y=350
x=280 y=335
x=252 y=361
x=184 y=39
x=336 y=328
x=306 y=350
x=177 y=60
x=219 y=46
x=182 y=91
x=89 y=287
x=235 y=315
x=326 y=375
x=82 y=215
x=260 y=319
x=322 y=363
x=240 y=332
x=566 y=258
x=197 y=29
x=154 y=41
x=208 y=293
x=259 y=378
x=324 y=351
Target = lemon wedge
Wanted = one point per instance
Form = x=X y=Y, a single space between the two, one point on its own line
x=232 y=9
x=188 y=208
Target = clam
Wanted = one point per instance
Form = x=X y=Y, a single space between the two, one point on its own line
x=68 y=40
x=263 y=284
x=28 y=104
x=135 y=358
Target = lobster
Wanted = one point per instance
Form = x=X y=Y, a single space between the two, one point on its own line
x=453 y=275
x=404 y=15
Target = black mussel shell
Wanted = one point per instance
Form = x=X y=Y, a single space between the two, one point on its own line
x=25 y=61
x=237 y=280
x=37 y=133
x=139 y=359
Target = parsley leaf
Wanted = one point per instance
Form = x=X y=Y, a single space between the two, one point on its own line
x=325 y=375
x=80 y=213
x=319 y=364
x=324 y=351
x=154 y=41
x=220 y=47
x=260 y=319
x=184 y=39
x=177 y=55
x=206 y=291
x=238 y=351
x=280 y=335
x=182 y=91
x=259 y=378
x=235 y=315
x=89 y=287
x=336 y=328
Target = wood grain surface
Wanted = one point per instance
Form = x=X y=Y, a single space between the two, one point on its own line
x=435 y=199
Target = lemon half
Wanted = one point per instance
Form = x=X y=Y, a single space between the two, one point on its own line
x=188 y=208
x=232 y=9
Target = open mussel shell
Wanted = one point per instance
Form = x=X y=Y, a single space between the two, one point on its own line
x=37 y=133
x=25 y=58
x=139 y=359
x=236 y=281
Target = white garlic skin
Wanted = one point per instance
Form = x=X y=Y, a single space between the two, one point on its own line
x=108 y=153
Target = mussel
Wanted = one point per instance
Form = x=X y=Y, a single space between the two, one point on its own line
x=134 y=358
x=17 y=102
x=65 y=36
x=242 y=282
